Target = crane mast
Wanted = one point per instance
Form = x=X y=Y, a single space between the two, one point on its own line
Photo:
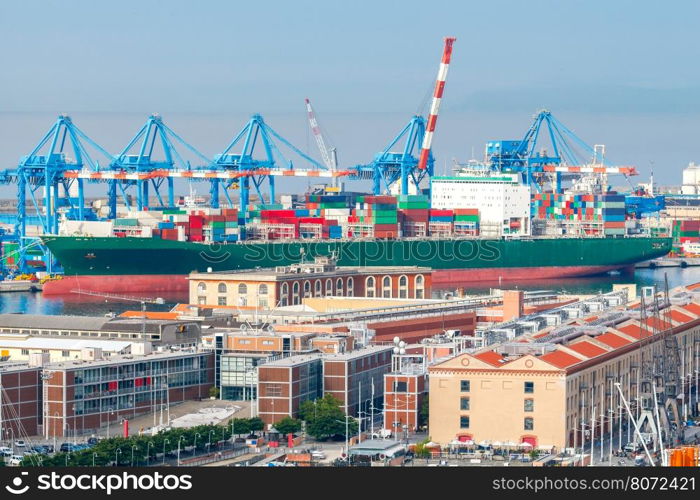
x=329 y=156
x=435 y=106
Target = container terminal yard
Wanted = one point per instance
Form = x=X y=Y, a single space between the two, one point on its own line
x=338 y=325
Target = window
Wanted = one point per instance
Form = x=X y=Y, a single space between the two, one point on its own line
x=262 y=289
x=222 y=288
x=284 y=300
x=403 y=287
x=369 y=287
x=202 y=288
x=464 y=422
x=339 y=287
x=65 y=354
x=242 y=289
x=529 y=387
x=529 y=405
x=464 y=403
x=222 y=301
x=307 y=289
x=529 y=424
x=400 y=386
x=295 y=293
x=351 y=287
x=464 y=385
x=419 y=286
x=25 y=352
x=329 y=288
x=386 y=287
x=317 y=288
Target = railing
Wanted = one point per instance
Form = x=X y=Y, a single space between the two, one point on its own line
x=214 y=457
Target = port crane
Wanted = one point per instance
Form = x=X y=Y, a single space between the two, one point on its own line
x=569 y=157
x=329 y=155
x=388 y=166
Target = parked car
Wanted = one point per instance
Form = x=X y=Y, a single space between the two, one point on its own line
x=30 y=452
x=318 y=455
x=5 y=451
x=16 y=460
x=48 y=448
x=20 y=443
x=92 y=441
x=66 y=447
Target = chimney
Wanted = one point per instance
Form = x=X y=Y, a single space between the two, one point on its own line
x=91 y=354
x=512 y=304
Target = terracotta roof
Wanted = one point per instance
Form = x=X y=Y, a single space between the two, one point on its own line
x=590 y=319
x=560 y=359
x=693 y=308
x=150 y=314
x=659 y=323
x=693 y=286
x=612 y=340
x=490 y=357
x=635 y=331
x=680 y=317
x=588 y=349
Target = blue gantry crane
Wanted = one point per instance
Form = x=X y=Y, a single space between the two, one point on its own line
x=64 y=147
x=389 y=167
x=250 y=167
x=529 y=156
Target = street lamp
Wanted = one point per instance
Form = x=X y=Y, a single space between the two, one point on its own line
x=67 y=455
x=165 y=441
x=117 y=452
x=148 y=452
x=347 y=435
x=109 y=417
x=233 y=420
x=55 y=414
x=178 y=449
x=195 y=442
x=209 y=441
x=93 y=458
x=133 y=447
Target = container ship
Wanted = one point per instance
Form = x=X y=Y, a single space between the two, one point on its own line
x=526 y=237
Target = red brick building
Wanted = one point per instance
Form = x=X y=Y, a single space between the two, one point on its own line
x=20 y=400
x=83 y=396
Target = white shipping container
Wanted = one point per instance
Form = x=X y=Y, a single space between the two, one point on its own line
x=86 y=228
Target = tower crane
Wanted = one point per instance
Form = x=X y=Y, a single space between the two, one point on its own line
x=329 y=155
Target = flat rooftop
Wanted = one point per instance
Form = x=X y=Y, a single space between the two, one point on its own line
x=293 y=360
x=124 y=359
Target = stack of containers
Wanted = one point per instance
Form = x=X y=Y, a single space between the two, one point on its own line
x=688 y=231
x=596 y=212
x=381 y=213
x=9 y=253
x=613 y=211
x=413 y=214
x=440 y=222
x=466 y=221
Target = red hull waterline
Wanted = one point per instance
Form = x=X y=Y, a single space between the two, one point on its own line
x=444 y=277
x=119 y=284
x=178 y=283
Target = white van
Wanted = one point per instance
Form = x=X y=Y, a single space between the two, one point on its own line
x=16 y=460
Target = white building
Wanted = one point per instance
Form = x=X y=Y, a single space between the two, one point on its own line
x=691 y=179
x=503 y=201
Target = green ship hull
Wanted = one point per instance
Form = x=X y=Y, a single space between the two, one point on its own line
x=134 y=264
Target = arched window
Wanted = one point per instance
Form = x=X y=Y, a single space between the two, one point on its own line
x=202 y=288
x=284 y=300
x=419 y=286
x=339 y=287
x=262 y=289
x=307 y=288
x=222 y=288
x=329 y=288
x=370 y=290
x=386 y=287
x=295 y=293
x=403 y=287
x=317 y=288
x=351 y=287
x=242 y=289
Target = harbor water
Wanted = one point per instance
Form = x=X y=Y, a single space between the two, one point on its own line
x=36 y=303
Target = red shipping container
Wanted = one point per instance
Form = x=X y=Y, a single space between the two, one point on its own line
x=381 y=200
x=229 y=212
x=311 y=220
x=270 y=214
x=196 y=237
x=385 y=227
x=466 y=211
x=616 y=224
x=196 y=221
x=441 y=213
x=217 y=218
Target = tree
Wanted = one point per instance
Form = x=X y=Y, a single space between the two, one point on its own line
x=214 y=392
x=325 y=418
x=422 y=450
x=288 y=425
x=424 y=414
x=240 y=426
x=256 y=424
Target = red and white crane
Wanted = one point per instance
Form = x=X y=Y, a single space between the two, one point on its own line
x=329 y=156
x=435 y=106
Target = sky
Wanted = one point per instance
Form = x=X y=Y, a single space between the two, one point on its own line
x=621 y=73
